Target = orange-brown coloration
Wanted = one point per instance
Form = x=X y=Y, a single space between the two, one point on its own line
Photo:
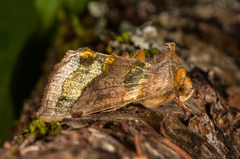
x=108 y=62
x=126 y=55
x=141 y=55
x=87 y=82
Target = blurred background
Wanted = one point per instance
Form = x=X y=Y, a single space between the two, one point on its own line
x=35 y=34
x=27 y=29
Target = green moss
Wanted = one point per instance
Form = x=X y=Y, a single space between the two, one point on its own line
x=55 y=127
x=21 y=138
x=40 y=129
x=126 y=37
x=109 y=49
x=26 y=130
x=149 y=53
x=123 y=38
x=132 y=53
x=77 y=27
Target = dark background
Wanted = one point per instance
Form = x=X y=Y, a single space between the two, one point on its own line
x=27 y=29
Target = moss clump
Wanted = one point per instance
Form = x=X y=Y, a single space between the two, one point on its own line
x=55 y=127
x=149 y=53
x=40 y=129
x=132 y=53
x=123 y=38
x=21 y=138
x=109 y=49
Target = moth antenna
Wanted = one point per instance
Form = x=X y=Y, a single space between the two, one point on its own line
x=140 y=55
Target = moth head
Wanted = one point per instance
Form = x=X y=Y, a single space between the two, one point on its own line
x=182 y=85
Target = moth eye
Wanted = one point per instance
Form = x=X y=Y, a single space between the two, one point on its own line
x=181 y=91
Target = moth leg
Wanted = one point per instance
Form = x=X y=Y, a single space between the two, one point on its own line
x=184 y=98
x=186 y=110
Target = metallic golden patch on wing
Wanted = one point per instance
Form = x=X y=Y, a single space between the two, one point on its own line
x=74 y=85
x=135 y=91
x=109 y=61
x=86 y=82
x=135 y=73
x=142 y=89
x=88 y=54
x=134 y=79
x=87 y=57
x=53 y=90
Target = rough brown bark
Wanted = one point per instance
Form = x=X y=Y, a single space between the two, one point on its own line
x=208 y=38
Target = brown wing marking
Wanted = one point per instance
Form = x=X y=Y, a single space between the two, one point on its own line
x=73 y=87
x=140 y=55
x=105 y=90
x=108 y=91
x=112 y=82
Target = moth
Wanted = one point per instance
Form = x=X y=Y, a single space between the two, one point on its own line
x=87 y=82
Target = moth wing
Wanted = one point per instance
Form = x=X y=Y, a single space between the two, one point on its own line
x=126 y=81
x=106 y=91
x=55 y=81
x=102 y=82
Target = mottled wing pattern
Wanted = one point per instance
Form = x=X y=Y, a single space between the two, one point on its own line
x=119 y=84
x=86 y=82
